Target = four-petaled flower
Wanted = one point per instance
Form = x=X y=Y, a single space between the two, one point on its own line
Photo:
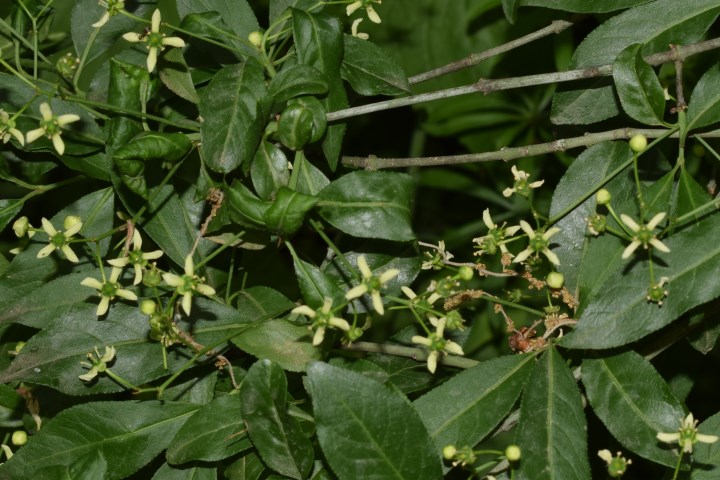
x=371 y=284
x=322 y=318
x=617 y=465
x=112 y=8
x=437 y=344
x=367 y=5
x=643 y=234
x=97 y=365
x=8 y=130
x=657 y=291
x=354 y=30
x=59 y=240
x=687 y=435
x=51 y=127
x=186 y=284
x=136 y=257
x=538 y=243
x=108 y=290
x=154 y=40
x=521 y=185
x=437 y=260
x=493 y=240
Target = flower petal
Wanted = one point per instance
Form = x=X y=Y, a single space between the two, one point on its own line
x=377 y=302
x=372 y=14
x=172 y=279
x=69 y=253
x=527 y=228
x=659 y=245
x=432 y=361
x=103 y=306
x=356 y=292
x=63 y=120
x=388 y=275
x=126 y=294
x=668 y=437
x=363 y=266
x=46 y=250
x=189 y=266
x=119 y=262
x=304 y=310
x=421 y=340
x=133 y=37
x=655 y=221
x=103 y=20
x=33 y=135
x=701 y=437
x=350 y=9
x=551 y=256
x=75 y=228
x=187 y=303
x=630 y=248
x=155 y=21
x=319 y=336
x=487 y=220
x=522 y=256
x=206 y=290
x=152 y=59
x=173 y=42
x=45 y=111
x=48 y=227
x=629 y=222
x=92 y=283
x=454 y=348
x=58 y=144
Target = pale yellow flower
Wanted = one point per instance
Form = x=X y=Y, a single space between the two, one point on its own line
x=136 y=257
x=687 y=435
x=371 y=284
x=51 y=127
x=367 y=5
x=8 y=130
x=187 y=284
x=108 y=290
x=437 y=344
x=322 y=318
x=97 y=365
x=521 y=185
x=59 y=240
x=154 y=40
x=643 y=234
x=539 y=242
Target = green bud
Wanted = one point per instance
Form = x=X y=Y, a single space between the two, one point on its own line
x=148 y=307
x=449 y=452
x=255 y=38
x=465 y=273
x=70 y=221
x=21 y=226
x=512 y=453
x=638 y=143
x=603 y=197
x=19 y=438
x=555 y=280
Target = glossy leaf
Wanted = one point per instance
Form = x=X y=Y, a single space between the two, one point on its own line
x=690 y=272
x=370 y=205
x=168 y=146
x=234 y=106
x=9 y=208
x=310 y=180
x=90 y=466
x=287 y=344
x=145 y=430
x=658 y=195
x=319 y=43
x=275 y=434
x=296 y=81
x=704 y=105
x=175 y=74
x=583 y=6
x=315 y=285
x=634 y=403
x=639 y=89
x=287 y=213
x=195 y=472
x=706 y=456
x=681 y=23
x=244 y=207
x=481 y=397
x=552 y=431
x=247 y=467
x=214 y=432
x=269 y=170
x=211 y=25
x=370 y=70
x=691 y=196
x=236 y=14
x=367 y=430
x=510 y=8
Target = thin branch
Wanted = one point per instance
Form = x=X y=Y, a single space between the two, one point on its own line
x=419 y=354
x=555 y=27
x=506 y=154
x=678 y=53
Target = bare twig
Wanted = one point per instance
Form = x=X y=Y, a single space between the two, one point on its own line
x=678 y=53
x=555 y=27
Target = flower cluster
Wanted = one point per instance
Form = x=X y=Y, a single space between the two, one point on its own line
x=112 y=8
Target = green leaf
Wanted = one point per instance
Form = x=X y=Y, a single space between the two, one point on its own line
x=234 y=108
x=247 y=467
x=214 y=432
x=310 y=180
x=276 y=435
x=145 y=430
x=370 y=70
x=168 y=146
x=367 y=430
x=269 y=170
x=706 y=456
x=690 y=196
x=576 y=248
x=604 y=324
x=287 y=213
x=510 y=8
x=9 y=208
x=195 y=472
x=481 y=397
x=583 y=6
x=87 y=12
x=211 y=25
x=658 y=195
x=287 y=344
x=125 y=84
x=634 y=403
x=296 y=81
x=704 y=106
x=319 y=43
x=639 y=89
x=315 y=285
x=236 y=14
x=244 y=207
x=174 y=73
x=370 y=205
x=681 y=23
x=90 y=466
x=552 y=431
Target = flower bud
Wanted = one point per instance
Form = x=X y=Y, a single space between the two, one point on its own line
x=148 y=307
x=638 y=143
x=603 y=197
x=465 y=273
x=512 y=453
x=70 y=221
x=19 y=438
x=449 y=452
x=555 y=280
x=255 y=38
x=21 y=226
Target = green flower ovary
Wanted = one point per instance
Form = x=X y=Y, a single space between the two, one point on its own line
x=51 y=127
x=136 y=258
x=59 y=240
x=109 y=289
x=644 y=235
x=437 y=343
x=154 y=39
x=538 y=243
x=188 y=284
